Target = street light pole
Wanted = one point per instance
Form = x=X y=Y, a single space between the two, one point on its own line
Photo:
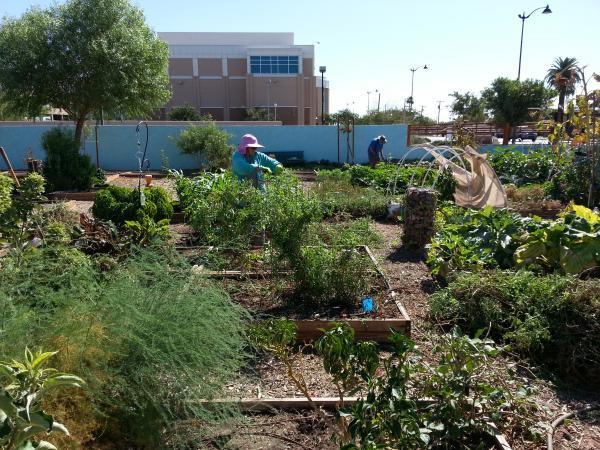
x=322 y=69
x=439 y=108
x=368 y=101
x=269 y=82
x=546 y=10
x=411 y=100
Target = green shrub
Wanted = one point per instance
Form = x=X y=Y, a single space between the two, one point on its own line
x=207 y=142
x=184 y=112
x=551 y=319
x=332 y=275
x=65 y=168
x=120 y=204
x=344 y=199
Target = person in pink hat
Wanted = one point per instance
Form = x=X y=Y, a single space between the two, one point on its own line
x=249 y=164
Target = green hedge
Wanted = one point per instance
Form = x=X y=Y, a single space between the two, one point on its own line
x=120 y=204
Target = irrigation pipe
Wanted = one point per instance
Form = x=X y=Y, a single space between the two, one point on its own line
x=564 y=417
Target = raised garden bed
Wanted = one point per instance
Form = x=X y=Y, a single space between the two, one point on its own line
x=268 y=293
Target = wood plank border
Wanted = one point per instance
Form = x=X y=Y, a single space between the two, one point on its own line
x=377 y=330
x=257 y=405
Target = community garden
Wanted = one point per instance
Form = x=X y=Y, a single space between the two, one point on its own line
x=298 y=316
x=342 y=307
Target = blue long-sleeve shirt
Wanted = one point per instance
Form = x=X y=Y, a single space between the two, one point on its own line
x=375 y=148
x=246 y=168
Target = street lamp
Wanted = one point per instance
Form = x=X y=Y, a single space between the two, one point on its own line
x=368 y=101
x=410 y=99
x=275 y=105
x=322 y=69
x=546 y=10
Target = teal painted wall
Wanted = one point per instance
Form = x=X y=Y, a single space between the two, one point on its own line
x=118 y=143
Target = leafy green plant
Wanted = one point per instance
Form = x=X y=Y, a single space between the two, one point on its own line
x=65 y=168
x=184 y=112
x=476 y=239
x=552 y=319
x=147 y=230
x=446 y=184
x=120 y=204
x=537 y=165
x=20 y=413
x=208 y=143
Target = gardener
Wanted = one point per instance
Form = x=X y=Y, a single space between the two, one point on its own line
x=249 y=164
x=376 y=150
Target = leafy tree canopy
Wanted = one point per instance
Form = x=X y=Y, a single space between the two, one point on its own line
x=468 y=107
x=83 y=56
x=394 y=115
x=509 y=101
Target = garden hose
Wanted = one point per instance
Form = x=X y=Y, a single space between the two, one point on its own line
x=564 y=417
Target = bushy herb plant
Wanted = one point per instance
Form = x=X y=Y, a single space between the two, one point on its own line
x=150 y=338
x=332 y=275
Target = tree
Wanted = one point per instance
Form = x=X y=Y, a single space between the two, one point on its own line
x=394 y=115
x=209 y=143
x=185 y=113
x=255 y=114
x=83 y=56
x=510 y=101
x=563 y=75
x=468 y=107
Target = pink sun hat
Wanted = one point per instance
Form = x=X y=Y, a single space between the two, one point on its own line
x=248 y=140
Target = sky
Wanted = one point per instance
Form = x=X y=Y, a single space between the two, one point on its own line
x=372 y=45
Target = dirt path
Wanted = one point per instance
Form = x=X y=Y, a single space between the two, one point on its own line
x=407 y=273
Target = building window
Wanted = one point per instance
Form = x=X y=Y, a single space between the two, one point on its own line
x=274 y=64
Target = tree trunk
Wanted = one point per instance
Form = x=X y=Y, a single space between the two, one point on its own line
x=506 y=137
x=79 y=129
x=561 y=106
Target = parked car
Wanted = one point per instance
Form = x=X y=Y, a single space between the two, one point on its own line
x=520 y=134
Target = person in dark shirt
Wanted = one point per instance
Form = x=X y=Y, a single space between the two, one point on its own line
x=375 y=150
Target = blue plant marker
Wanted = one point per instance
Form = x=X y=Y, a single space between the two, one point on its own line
x=367 y=304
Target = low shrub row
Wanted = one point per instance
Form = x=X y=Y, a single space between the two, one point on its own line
x=552 y=319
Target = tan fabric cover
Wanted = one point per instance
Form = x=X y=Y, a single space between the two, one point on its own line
x=478 y=188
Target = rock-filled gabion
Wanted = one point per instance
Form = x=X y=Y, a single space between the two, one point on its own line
x=420 y=217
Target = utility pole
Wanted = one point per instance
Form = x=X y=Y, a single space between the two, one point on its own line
x=368 y=101
x=439 y=108
x=378 y=99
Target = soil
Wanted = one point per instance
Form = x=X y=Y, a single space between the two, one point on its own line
x=267 y=377
x=283 y=430
x=275 y=297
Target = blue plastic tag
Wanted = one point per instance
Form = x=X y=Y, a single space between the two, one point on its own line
x=367 y=304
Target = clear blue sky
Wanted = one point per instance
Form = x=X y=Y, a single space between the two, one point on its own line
x=368 y=45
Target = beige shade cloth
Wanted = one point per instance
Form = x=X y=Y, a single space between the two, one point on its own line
x=477 y=188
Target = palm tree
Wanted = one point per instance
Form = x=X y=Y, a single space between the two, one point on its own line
x=563 y=75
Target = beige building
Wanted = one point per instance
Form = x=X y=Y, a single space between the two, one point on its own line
x=226 y=73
